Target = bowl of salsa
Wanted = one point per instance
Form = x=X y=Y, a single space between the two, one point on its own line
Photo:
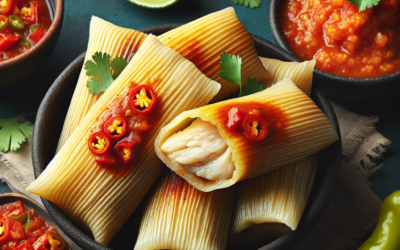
x=357 y=52
x=25 y=225
x=29 y=30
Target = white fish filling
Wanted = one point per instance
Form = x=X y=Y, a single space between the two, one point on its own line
x=201 y=150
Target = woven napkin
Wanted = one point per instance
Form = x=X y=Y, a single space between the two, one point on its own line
x=349 y=219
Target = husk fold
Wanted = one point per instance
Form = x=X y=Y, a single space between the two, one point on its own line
x=94 y=197
x=178 y=216
x=307 y=131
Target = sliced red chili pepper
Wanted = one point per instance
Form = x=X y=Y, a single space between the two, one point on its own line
x=254 y=127
x=125 y=150
x=143 y=99
x=36 y=36
x=24 y=246
x=3 y=23
x=108 y=159
x=13 y=209
x=116 y=127
x=6 y=41
x=32 y=13
x=99 y=143
x=36 y=228
x=235 y=118
x=50 y=241
x=6 y=6
x=10 y=230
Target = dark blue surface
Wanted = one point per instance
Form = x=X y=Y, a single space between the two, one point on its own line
x=26 y=97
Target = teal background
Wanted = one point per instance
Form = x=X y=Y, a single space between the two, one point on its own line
x=26 y=97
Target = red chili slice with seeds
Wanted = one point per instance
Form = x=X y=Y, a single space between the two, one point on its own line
x=125 y=150
x=99 y=143
x=255 y=128
x=143 y=99
x=116 y=127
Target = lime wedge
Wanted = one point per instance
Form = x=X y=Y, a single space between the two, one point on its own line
x=154 y=4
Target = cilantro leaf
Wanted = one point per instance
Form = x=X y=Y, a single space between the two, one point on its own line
x=99 y=69
x=118 y=64
x=252 y=3
x=13 y=133
x=252 y=86
x=231 y=69
x=364 y=4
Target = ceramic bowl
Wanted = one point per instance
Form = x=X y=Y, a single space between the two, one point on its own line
x=20 y=67
x=13 y=197
x=48 y=127
x=332 y=85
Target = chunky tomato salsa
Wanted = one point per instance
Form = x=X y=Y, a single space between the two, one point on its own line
x=21 y=228
x=23 y=23
x=344 y=41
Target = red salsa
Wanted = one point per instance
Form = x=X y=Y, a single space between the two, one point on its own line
x=23 y=23
x=116 y=138
x=344 y=41
x=21 y=228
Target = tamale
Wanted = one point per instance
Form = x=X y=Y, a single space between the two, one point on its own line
x=270 y=205
x=201 y=41
x=297 y=128
x=178 y=216
x=101 y=199
x=107 y=38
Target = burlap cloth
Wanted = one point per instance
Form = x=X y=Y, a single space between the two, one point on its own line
x=349 y=219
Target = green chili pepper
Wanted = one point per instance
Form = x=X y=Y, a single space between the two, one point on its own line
x=20 y=217
x=3 y=22
x=26 y=225
x=16 y=23
x=386 y=233
x=33 y=29
x=26 y=42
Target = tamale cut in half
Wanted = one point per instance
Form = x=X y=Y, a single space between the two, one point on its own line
x=178 y=216
x=215 y=146
x=201 y=41
x=270 y=205
x=107 y=38
x=99 y=198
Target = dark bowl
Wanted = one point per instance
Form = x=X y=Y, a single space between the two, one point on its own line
x=332 y=85
x=48 y=127
x=13 y=197
x=17 y=69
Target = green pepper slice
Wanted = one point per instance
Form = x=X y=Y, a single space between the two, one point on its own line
x=20 y=217
x=3 y=22
x=26 y=225
x=26 y=42
x=16 y=23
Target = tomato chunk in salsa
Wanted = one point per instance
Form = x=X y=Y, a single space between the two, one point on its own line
x=344 y=41
x=21 y=228
x=23 y=23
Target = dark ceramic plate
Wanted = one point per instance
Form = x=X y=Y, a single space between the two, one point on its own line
x=13 y=197
x=332 y=85
x=48 y=127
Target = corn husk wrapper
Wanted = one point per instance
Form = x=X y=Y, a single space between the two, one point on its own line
x=300 y=73
x=304 y=130
x=92 y=196
x=178 y=216
x=201 y=41
x=270 y=205
x=107 y=38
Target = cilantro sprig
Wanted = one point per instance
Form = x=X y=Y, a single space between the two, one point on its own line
x=252 y=3
x=364 y=4
x=13 y=133
x=231 y=66
x=100 y=71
